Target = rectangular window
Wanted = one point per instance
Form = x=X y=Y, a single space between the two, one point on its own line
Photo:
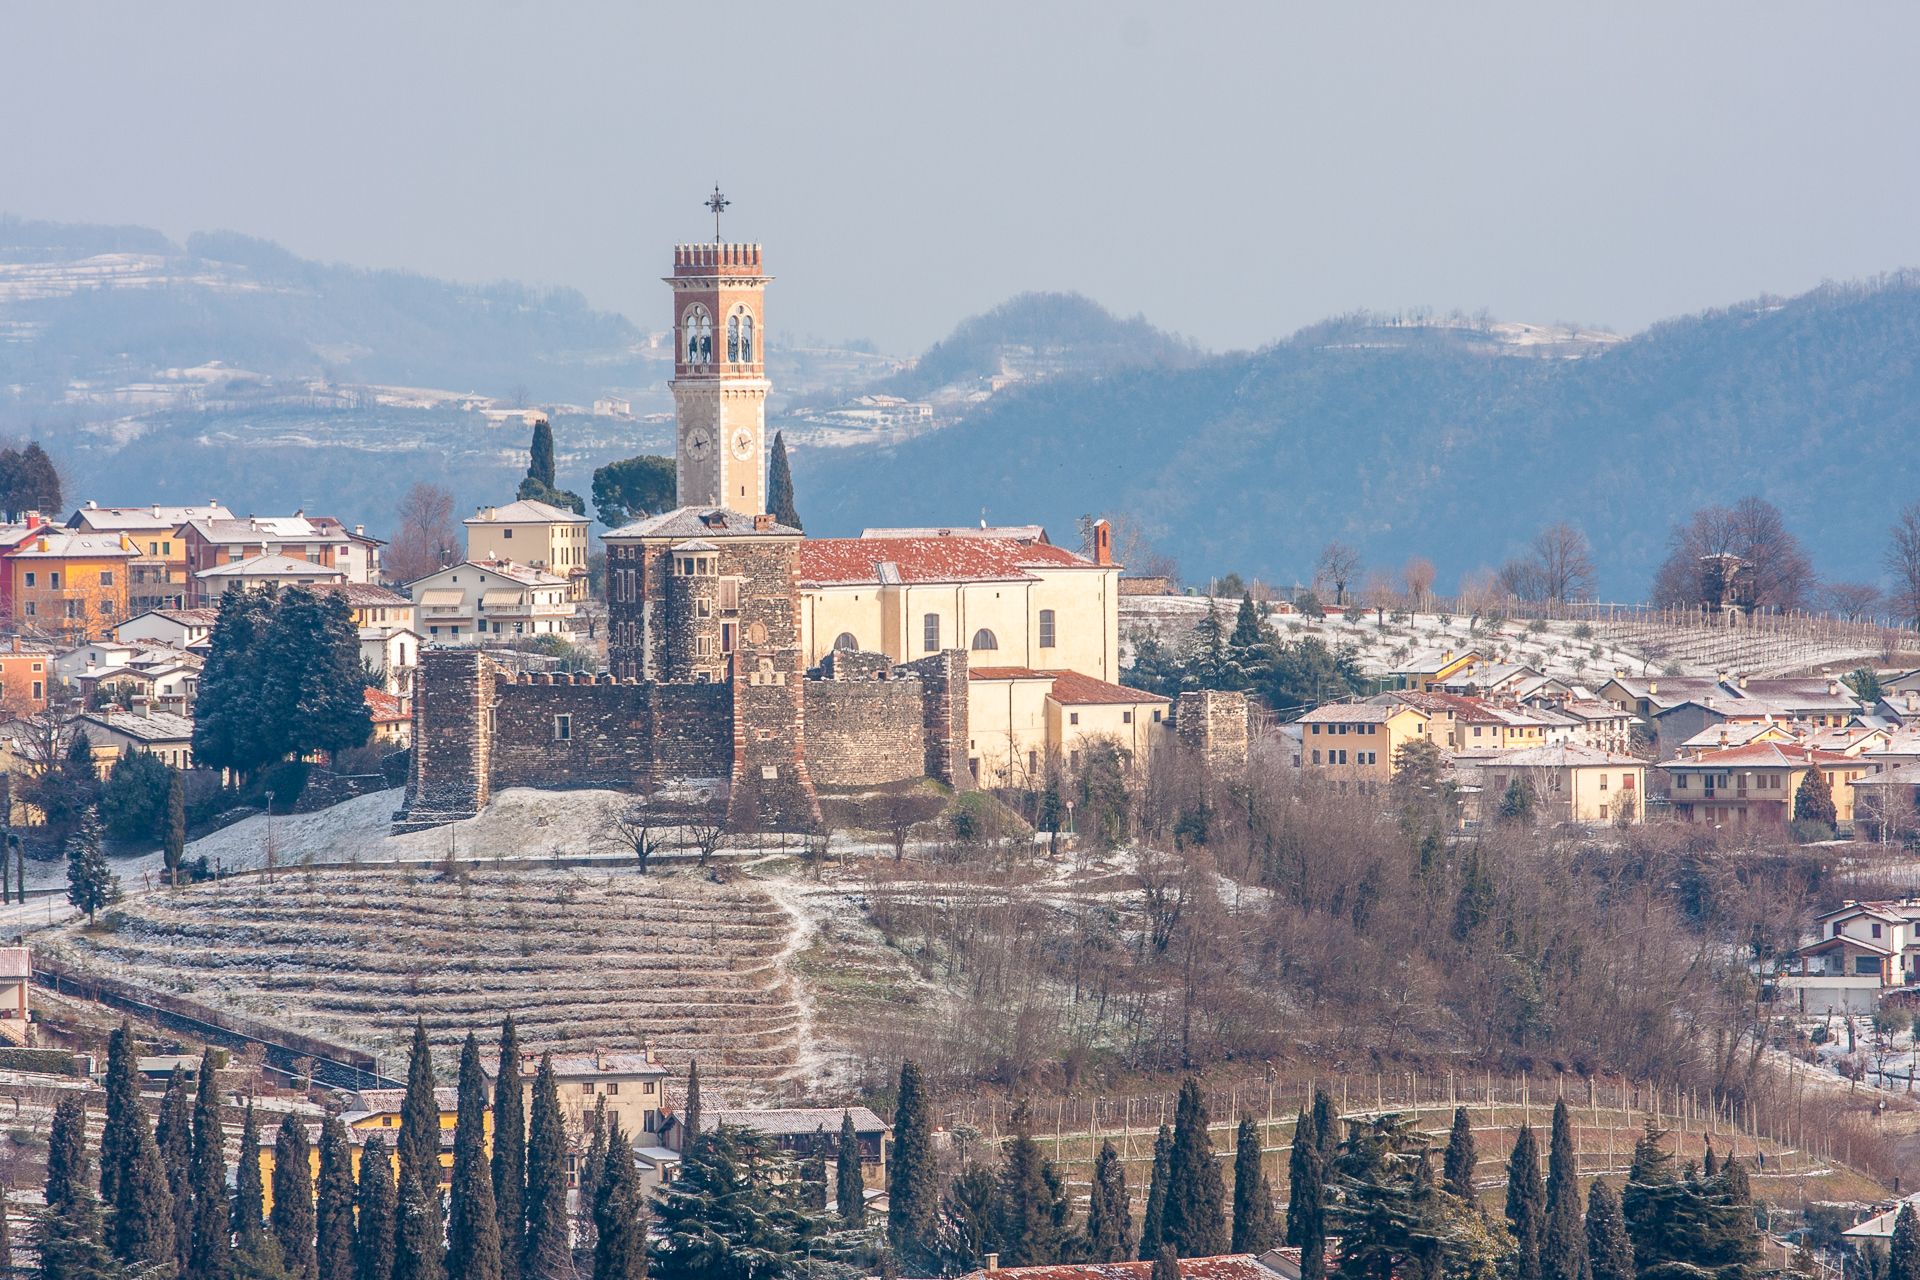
x=106 y=577
x=1156 y=717
x=1603 y=782
x=1046 y=629
x=1073 y=717
x=1876 y=930
x=29 y=578
x=53 y=579
x=613 y=1086
x=563 y=728
x=507 y=534
x=930 y=633
x=1316 y=756
x=1126 y=717
x=1867 y=966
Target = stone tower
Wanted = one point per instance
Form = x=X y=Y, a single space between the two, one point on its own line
x=719 y=376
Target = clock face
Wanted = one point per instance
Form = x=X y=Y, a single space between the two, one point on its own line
x=699 y=440
x=742 y=443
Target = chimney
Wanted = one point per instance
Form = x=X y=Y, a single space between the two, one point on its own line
x=141 y=705
x=1913 y=701
x=1833 y=688
x=360 y=530
x=1102 y=542
x=993 y=1263
x=761 y=523
x=1653 y=687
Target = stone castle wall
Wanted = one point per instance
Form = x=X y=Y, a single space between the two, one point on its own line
x=865 y=732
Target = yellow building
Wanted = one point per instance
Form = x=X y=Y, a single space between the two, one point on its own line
x=533 y=533
x=368 y=1112
x=160 y=576
x=1355 y=743
x=68 y=584
x=1019 y=718
x=1434 y=668
x=1569 y=782
x=1756 y=785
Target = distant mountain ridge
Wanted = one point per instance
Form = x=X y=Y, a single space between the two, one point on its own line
x=1433 y=440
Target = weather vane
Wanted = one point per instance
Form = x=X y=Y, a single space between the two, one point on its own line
x=718 y=203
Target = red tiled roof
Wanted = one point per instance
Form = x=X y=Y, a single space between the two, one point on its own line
x=1070 y=688
x=383 y=705
x=1007 y=673
x=829 y=562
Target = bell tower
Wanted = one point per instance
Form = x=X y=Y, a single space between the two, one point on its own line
x=719 y=372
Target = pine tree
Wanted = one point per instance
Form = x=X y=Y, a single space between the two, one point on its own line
x=546 y=1256
x=849 y=1187
x=1685 y=1228
x=418 y=1147
x=333 y=1204
x=913 y=1191
x=293 y=1216
x=418 y=1239
x=1253 y=1226
x=249 y=1195
x=1563 y=1249
x=690 y=1113
x=1903 y=1251
x=174 y=1136
x=1026 y=1227
x=143 y=1206
x=969 y=1208
x=208 y=1254
x=91 y=884
x=620 y=1232
x=1609 y=1251
x=1526 y=1205
x=1109 y=1216
x=1461 y=1158
x=473 y=1223
x=123 y=1105
x=1196 y=1199
x=71 y=1247
x=540 y=455
x=231 y=725
x=378 y=1208
x=734 y=1213
x=176 y=843
x=1153 y=1223
x=780 y=485
x=509 y=1153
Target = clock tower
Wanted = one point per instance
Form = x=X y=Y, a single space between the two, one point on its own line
x=719 y=374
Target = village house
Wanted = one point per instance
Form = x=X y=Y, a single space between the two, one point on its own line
x=211 y=543
x=1755 y=785
x=1597 y=723
x=160 y=578
x=113 y=733
x=1569 y=782
x=16 y=976
x=477 y=601
x=26 y=677
x=393 y=652
x=392 y=718
x=270 y=571
x=1432 y=669
x=804 y=1132
x=68 y=585
x=1019 y=718
x=178 y=628
x=537 y=534
x=1354 y=744
x=1859 y=951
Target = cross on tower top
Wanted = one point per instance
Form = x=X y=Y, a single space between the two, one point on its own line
x=718 y=203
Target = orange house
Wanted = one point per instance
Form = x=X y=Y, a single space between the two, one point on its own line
x=69 y=584
x=26 y=678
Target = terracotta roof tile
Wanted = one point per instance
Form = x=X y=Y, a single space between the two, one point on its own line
x=826 y=562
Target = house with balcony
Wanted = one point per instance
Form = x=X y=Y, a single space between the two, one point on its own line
x=1755 y=785
x=479 y=602
x=537 y=534
x=1859 y=952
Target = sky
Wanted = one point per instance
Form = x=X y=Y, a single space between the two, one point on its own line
x=1232 y=171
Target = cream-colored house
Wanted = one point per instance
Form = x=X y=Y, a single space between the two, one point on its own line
x=1009 y=597
x=538 y=534
x=1570 y=782
x=270 y=570
x=477 y=601
x=1354 y=743
x=633 y=1084
x=1018 y=718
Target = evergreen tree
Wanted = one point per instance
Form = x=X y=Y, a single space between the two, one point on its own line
x=1109 y=1215
x=734 y=1213
x=311 y=675
x=913 y=1190
x=123 y=1107
x=473 y=1223
x=690 y=1113
x=90 y=883
x=1253 y=1225
x=1813 y=801
x=969 y=1210
x=1389 y=1213
x=208 y=1254
x=780 y=485
x=67 y=1152
x=509 y=1153
x=1026 y=1229
x=418 y=1146
x=1903 y=1251
x=631 y=488
x=249 y=1194
x=333 y=1204
x=849 y=1187
x=1526 y=1205
x=620 y=1231
x=1563 y=1248
x=258 y=1258
x=813 y=1172
x=419 y=1251
x=540 y=455
x=143 y=1206
x=1153 y=1222
x=592 y=1165
x=176 y=844
x=1684 y=1228
x=133 y=803
x=1195 y=1223
x=230 y=721
x=377 y=1205
x=71 y=1247
x=293 y=1215
x=1215 y=664
x=1609 y=1251
x=1166 y=1265
x=546 y=1255
x=1461 y=1158
x=174 y=1136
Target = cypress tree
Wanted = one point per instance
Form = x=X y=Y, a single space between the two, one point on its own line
x=333 y=1204
x=1709 y=1166
x=1253 y=1226
x=1526 y=1205
x=1026 y=1226
x=1153 y=1224
x=1609 y=1251
x=620 y=1234
x=1461 y=1158
x=509 y=1153
x=1563 y=1248
x=6 y=1226
x=592 y=1165
x=67 y=1152
x=546 y=1256
x=377 y=1203
x=1903 y=1251
x=176 y=844
x=123 y=1105
x=690 y=1114
x=419 y=1252
x=780 y=485
x=1326 y=1127
x=1166 y=1264
x=418 y=1146
x=1196 y=1199
x=849 y=1188
x=473 y=1223
x=293 y=1208
x=1109 y=1216
x=913 y=1195
x=969 y=1208
x=208 y=1253
x=249 y=1195
x=540 y=454
x=143 y=1207
x=174 y=1136
x=813 y=1173
x=70 y=1244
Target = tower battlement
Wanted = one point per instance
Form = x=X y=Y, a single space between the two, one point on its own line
x=709 y=259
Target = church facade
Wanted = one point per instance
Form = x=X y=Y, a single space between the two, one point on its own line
x=750 y=667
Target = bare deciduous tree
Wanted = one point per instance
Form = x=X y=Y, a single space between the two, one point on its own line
x=1851 y=600
x=424 y=539
x=1132 y=548
x=1743 y=556
x=1338 y=566
x=1418 y=576
x=641 y=831
x=1903 y=564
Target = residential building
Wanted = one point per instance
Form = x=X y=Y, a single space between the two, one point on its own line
x=803 y=1132
x=394 y=652
x=1433 y=669
x=631 y=1082
x=160 y=578
x=359 y=555
x=114 y=732
x=537 y=534
x=392 y=719
x=26 y=677
x=1353 y=744
x=1018 y=718
x=175 y=628
x=1755 y=785
x=270 y=570
x=68 y=585
x=1569 y=782
x=16 y=1014
x=213 y=543
x=1859 y=951
x=477 y=601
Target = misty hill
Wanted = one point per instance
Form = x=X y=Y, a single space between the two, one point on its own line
x=1443 y=440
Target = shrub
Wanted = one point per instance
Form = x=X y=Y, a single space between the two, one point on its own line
x=1582 y=631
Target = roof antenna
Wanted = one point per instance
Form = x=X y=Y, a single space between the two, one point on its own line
x=983 y=517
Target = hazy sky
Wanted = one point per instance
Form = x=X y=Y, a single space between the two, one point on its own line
x=1231 y=170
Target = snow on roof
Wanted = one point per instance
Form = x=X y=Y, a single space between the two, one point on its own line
x=1564 y=755
x=525 y=511
x=50 y=543
x=1357 y=713
x=701 y=522
x=1761 y=755
x=831 y=562
x=144 y=726
x=1016 y=532
x=789 y=1121
x=15 y=963
x=271 y=565
x=154 y=518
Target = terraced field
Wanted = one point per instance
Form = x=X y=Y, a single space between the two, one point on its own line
x=582 y=959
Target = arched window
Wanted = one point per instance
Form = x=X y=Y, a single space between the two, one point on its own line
x=733 y=339
x=845 y=643
x=746 y=338
x=984 y=639
x=698 y=327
